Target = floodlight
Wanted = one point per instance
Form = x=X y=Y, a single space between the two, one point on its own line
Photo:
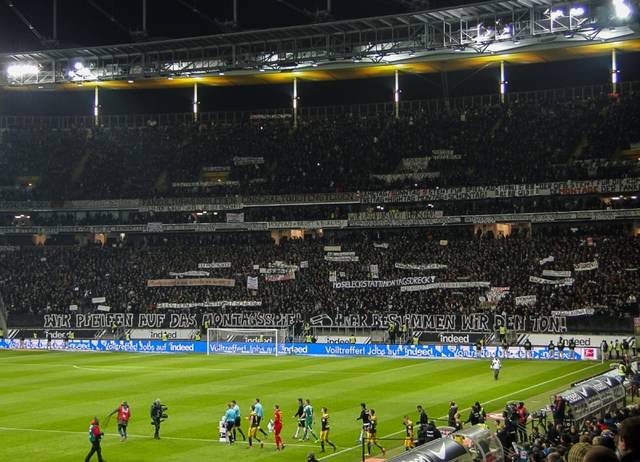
x=576 y=11
x=78 y=65
x=622 y=10
x=20 y=70
x=555 y=14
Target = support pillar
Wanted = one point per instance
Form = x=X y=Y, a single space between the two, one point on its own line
x=54 y=18
x=295 y=102
x=96 y=106
x=235 y=12
x=614 y=72
x=196 y=102
x=144 y=17
x=503 y=82
x=396 y=97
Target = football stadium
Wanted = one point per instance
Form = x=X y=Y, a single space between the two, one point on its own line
x=309 y=230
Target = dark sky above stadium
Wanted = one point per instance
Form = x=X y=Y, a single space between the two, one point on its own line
x=88 y=23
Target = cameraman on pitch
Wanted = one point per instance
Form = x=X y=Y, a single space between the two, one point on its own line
x=157 y=415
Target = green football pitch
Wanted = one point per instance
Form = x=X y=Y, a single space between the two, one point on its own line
x=47 y=400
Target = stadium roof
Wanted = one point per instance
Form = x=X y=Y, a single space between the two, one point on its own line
x=516 y=31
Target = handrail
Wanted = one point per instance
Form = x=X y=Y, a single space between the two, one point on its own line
x=425 y=106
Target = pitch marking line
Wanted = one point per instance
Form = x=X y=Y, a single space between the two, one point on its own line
x=342 y=451
x=175 y=438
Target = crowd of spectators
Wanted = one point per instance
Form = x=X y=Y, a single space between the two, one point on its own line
x=49 y=279
x=513 y=143
x=598 y=440
x=328 y=212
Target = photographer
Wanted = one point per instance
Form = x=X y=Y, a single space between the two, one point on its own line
x=158 y=414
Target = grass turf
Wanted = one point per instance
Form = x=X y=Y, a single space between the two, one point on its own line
x=48 y=398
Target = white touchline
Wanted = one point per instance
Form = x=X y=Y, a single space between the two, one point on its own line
x=176 y=438
x=468 y=408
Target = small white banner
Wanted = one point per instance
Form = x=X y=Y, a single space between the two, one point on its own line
x=556 y=274
x=96 y=300
x=549 y=259
x=189 y=274
x=526 y=300
x=252 y=282
x=586 y=266
x=214 y=265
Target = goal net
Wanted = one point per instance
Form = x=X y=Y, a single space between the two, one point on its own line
x=244 y=341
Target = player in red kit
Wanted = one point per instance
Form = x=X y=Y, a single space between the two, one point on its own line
x=277 y=427
x=124 y=414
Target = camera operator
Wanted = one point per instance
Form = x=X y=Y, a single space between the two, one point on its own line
x=158 y=414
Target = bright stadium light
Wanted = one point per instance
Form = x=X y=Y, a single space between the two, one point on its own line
x=576 y=11
x=622 y=10
x=78 y=65
x=17 y=71
x=555 y=14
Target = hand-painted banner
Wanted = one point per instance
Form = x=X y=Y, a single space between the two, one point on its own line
x=446 y=285
x=369 y=284
x=419 y=267
x=290 y=276
x=525 y=300
x=586 y=266
x=252 y=282
x=215 y=265
x=189 y=274
x=191 y=282
x=578 y=312
x=556 y=274
x=216 y=304
x=549 y=259
x=553 y=282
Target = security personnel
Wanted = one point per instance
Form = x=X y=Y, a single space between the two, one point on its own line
x=205 y=326
x=618 y=349
x=307 y=329
x=72 y=335
x=552 y=350
x=198 y=337
x=561 y=345
x=165 y=337
x=404 y=330
x=127 y=336
x=478 y=349
x=391 y=329
x=113 y=327
x=415 y=340
x=625 y=347
x=572 y=349
x=308 y=339
x=527 y=348
x=502 y=331
x=604 y=346
x=352 y=339
x=622 y=370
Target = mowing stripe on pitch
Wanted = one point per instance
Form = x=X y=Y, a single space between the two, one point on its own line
x=468 y=408
x=176 y=438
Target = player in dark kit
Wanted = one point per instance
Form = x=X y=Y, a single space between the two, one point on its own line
x=95 y=436
x=364 y=416
x=408 y=440
x=373 y=430
x=300 y=416
x=324 y=430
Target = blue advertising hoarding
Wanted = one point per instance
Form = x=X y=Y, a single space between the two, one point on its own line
x=304 y=349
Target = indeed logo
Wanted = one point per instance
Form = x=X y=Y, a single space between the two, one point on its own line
x=180 y=347
x=453 y=338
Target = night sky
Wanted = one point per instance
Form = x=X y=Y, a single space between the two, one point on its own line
x=80 y=24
